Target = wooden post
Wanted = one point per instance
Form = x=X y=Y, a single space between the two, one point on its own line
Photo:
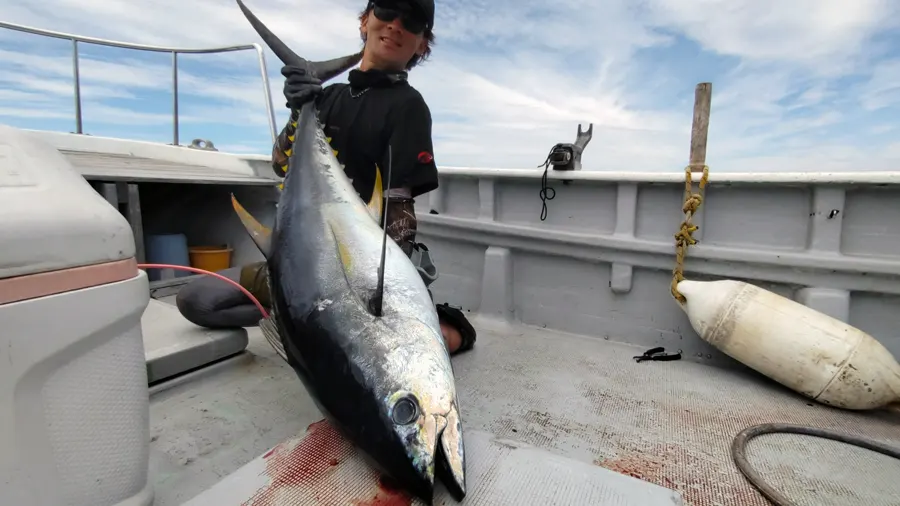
x=690 y=231
x=700 y=128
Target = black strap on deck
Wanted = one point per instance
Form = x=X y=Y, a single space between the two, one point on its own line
x=658 y=354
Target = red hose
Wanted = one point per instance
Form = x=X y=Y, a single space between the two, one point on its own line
x=213 y=274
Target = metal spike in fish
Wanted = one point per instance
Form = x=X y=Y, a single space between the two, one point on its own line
x=352 y=314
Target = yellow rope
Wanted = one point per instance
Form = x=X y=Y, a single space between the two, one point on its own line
x=684 y=237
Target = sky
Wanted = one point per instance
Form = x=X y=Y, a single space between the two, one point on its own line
x=800 y=85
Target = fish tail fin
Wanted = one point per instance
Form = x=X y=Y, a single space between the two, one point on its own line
x=270 y=332
x=323 y=70
x=377 y=301
x=261 y=235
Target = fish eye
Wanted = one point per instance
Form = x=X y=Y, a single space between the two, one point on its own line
x=405 y=410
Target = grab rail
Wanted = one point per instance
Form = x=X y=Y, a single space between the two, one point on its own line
x=175 y=51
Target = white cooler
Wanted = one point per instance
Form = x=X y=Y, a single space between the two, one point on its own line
x=74 y=402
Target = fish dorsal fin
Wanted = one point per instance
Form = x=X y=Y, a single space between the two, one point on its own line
x=261 y=234
x=376 y=203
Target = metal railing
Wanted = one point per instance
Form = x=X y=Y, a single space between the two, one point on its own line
x=174 y=51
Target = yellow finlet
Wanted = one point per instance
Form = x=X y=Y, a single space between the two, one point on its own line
x=376 y=203
x=260 y=234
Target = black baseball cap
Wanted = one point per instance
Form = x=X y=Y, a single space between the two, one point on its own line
x=426 y=7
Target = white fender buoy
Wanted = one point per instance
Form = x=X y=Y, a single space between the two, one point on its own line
x=807 y=351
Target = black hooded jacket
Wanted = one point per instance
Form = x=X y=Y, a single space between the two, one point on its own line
x=376 y=109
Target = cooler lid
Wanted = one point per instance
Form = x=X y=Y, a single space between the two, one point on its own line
x=50 y=217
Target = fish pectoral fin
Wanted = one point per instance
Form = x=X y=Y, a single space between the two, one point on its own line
x=376 y=203
x=343 y=253
x=451 y=457
x=366 y=296
x=270 y=332
x=261 y=235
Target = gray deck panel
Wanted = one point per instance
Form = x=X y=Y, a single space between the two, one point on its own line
x=207 y=428
x=668 y=423
x=173 y=345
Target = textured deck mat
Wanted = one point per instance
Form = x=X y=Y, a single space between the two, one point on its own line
x=322 y=468
x=818 y=472
x=668 y=423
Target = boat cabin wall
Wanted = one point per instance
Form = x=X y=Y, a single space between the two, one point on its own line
x=600 y=264
x=202 y=212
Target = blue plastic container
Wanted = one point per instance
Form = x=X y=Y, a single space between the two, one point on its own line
x=167 y=249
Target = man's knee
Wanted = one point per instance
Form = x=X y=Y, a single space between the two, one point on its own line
x=255 y=279
x=196 y=301
x=213 y=303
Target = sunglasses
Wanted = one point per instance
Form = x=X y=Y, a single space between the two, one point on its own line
x=387 y=12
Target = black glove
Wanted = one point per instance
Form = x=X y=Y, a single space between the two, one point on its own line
x=299 y=87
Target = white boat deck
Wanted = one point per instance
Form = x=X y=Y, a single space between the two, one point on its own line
x=586 y=399
x=600 y=265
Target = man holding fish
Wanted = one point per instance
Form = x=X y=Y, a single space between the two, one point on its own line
x=350 y=312
x=360 y=119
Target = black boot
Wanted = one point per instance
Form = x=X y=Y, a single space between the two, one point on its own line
x=457 y=319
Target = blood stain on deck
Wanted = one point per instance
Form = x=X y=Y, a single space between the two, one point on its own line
x=388 y=495
x=688 y=472
x=309 y=467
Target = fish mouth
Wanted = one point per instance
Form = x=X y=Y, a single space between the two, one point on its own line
x=450 y=456
x=441 y=455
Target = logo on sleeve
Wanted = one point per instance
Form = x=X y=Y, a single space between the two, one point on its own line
x=425 y=157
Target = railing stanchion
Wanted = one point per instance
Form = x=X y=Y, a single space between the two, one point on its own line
x=79 y=128
x=267 y=91
x=175 y=98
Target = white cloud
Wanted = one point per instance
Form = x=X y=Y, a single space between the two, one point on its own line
x=803 y=85
x=822 y=33
x=884 y=88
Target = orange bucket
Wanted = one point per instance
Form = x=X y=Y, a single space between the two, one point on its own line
x=210 y=258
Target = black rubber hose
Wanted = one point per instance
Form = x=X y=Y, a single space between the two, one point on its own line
x=738 y=447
